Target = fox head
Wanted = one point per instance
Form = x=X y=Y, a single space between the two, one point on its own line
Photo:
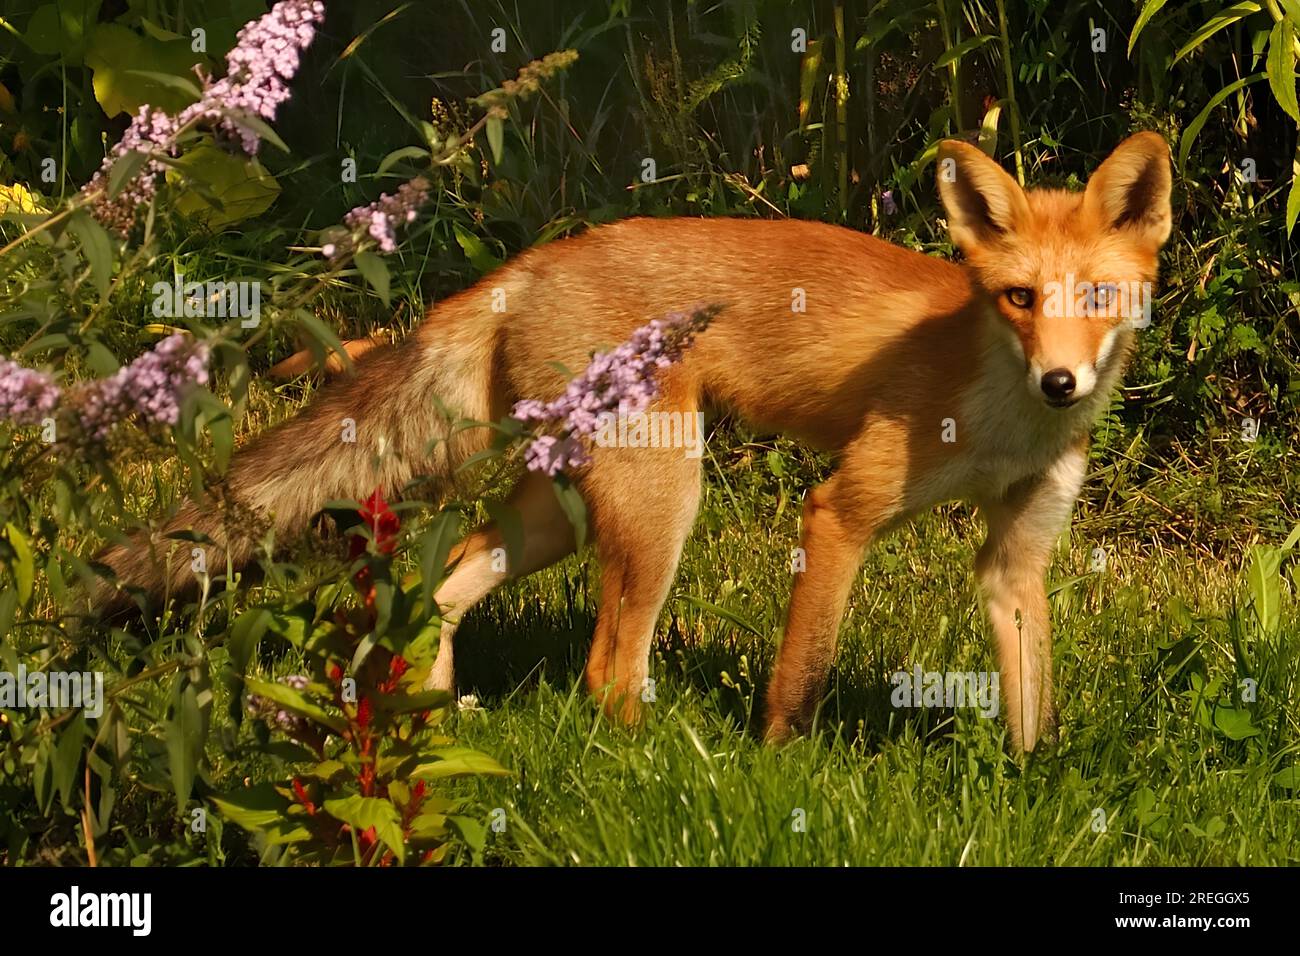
x=1069 y=274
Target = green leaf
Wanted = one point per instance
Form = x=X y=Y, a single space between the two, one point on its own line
x=1149 y=10
x=495 y=130
x=67 y=758
x=809 y=69
x=435 y=546
x=186 y=732
x=258 y=126
x=475 y=250
x=253 y=808
x=101 y=361
x=245 y=634
x=1280 y=67
x=961 y=49
x=1291 y=540
x=1221 y=20
x=96 y=246
x=1234 y=723
x=182 y=84
x=362 y=813
x=1264 y=581
x=988 y=141
x=125 y=170
x=723 y=613
x=375 y=271
x=62 y=27
x=429 y=826
x=114 y=53
x=296 y=701
x=472 y=831
x=457 y=762
x=511 y=525
x=367 y=644
x=24 y=566
x=1288 y=777
x=397 y=155
x=574 y=508
x=293 y=624
x=1293 y=195
x=1194 y=127
x=230 y=188
x=322 y=337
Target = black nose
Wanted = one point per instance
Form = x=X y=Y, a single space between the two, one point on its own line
x=1058 y=384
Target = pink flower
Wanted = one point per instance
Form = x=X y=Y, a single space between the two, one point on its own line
x=26 y=395
x=151 y=387
x=619 y=382
x=258 y=69
x=381 y=219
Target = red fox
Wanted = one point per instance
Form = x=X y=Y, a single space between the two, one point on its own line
x=928 y=380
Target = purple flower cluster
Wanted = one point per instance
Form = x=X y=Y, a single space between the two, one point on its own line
x=26 y=395
x=151 y=387
x=258 y=69
x=150 y=130
x=619 y=382
x=381 y=218
x=286 y=720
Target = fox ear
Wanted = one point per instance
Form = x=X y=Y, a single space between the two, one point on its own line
x=1130 y=190
x=982 y=201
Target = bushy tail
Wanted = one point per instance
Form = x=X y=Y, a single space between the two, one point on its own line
x=389 y=421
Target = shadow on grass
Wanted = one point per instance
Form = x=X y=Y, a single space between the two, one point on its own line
x=512 y=640
x=500 y=647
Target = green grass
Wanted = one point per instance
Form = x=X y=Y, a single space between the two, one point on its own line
x=876 y=785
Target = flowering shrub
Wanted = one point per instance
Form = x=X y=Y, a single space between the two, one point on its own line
x=256 y=83
x=354 y=753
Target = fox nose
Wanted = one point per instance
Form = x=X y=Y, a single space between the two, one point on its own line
x=1058 y=384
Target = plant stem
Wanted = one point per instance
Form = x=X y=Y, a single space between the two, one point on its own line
x=1013 y=111
x=42 y=227
x=954 y=82
x=841 y=110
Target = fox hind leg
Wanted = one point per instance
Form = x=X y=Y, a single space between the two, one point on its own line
x=479 y=566
x=642 y=503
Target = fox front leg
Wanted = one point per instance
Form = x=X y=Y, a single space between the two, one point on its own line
x=1023 y=527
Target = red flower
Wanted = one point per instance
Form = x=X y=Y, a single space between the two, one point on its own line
x=383 y=525
x=367 y=839
x=397 y=667
x=364 y=712
x=336 y=673
x=301 y=793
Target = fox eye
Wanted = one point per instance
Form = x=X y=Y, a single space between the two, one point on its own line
x=1103 y=296
x=1020 y=297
